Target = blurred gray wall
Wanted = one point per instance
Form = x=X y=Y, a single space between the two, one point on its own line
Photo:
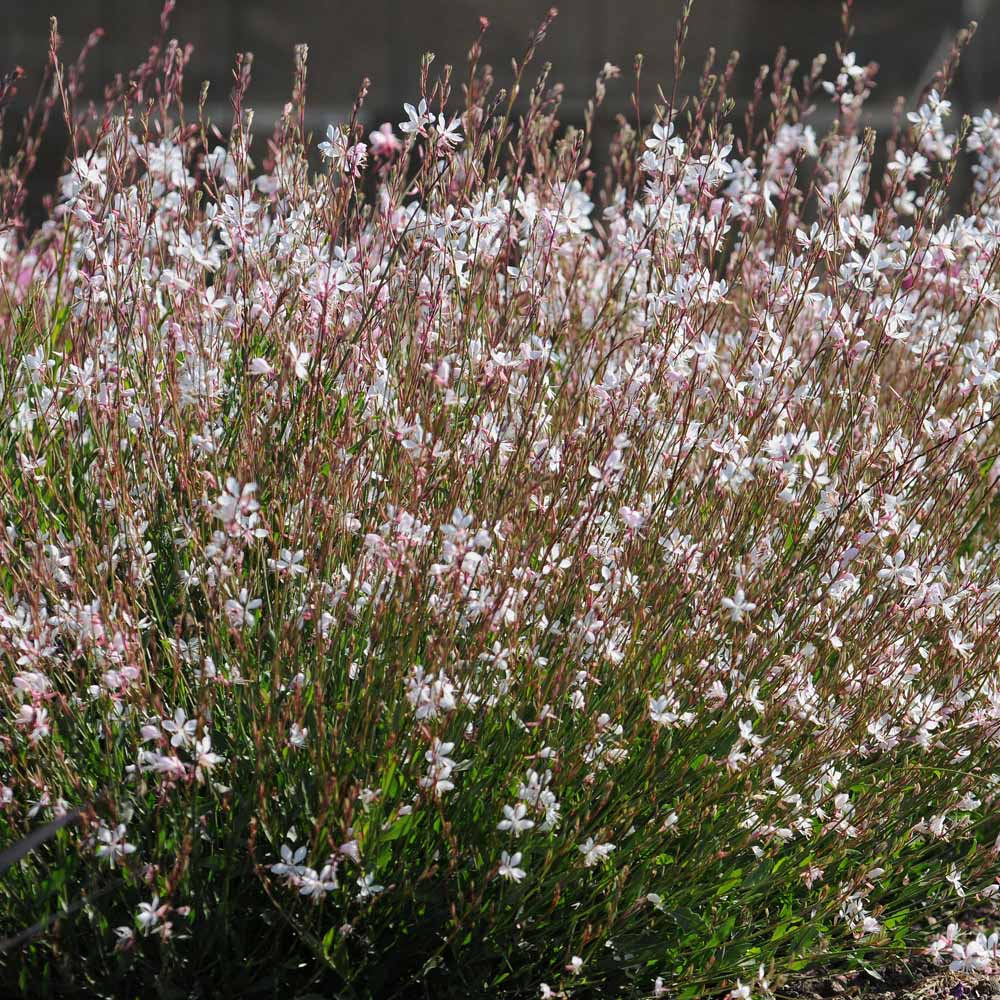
x=384 y=39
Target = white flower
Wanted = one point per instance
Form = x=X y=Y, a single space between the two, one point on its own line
x=368 y=888
x=300 y=361
x=514 y=819
x=954 y=876
x=288 y=562
x=593 y=852
x=149 y=914
x=113 y=844
x=665 y=711
x=971 y=957
x=738 y=605
x=291 y=863
x=316 y=885
x=739 y=992
x=417 y=118
x=181 y=727
x=509 y=866
x=959 y=643
x=439 y=769
x=449 y=134
x=663 y=144
x=895 y=569
x=126 y=938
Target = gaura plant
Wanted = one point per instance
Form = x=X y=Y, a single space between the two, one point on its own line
x=433 y=566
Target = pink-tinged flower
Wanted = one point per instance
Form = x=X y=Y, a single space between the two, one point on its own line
x=150 y=731
x=126 y=938
x=205 y=759
x=236 y=501
x=350 y=849
x=448 y=134
x=384 y=143
x=36 y=719
x=811 y=875
x=33 y=683
x=349 y=158
x=166 y=765
x=150 y=914
x=240 y=611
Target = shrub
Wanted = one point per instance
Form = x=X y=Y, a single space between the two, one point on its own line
x=452 y=572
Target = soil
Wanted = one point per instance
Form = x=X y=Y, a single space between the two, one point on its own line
x=919 y=980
